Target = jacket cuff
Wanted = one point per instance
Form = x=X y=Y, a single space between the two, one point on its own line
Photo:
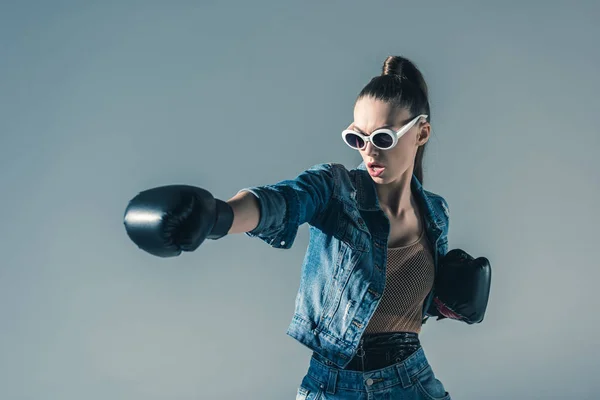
x=278 y=221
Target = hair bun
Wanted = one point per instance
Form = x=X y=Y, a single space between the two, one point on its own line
x=404 y=69
x=393 y=66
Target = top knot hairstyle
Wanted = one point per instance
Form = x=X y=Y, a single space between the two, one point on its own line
x=402 y=85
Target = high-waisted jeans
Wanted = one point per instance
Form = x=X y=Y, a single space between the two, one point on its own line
x=386 y=366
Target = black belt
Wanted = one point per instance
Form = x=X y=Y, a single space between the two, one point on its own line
x=380 y=350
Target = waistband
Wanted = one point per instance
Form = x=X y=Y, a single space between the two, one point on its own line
x=330 y=377
x=388 y=340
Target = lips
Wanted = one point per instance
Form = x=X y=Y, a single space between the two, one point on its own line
x=375 y=169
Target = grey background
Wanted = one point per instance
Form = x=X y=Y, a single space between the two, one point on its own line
x=99 y=101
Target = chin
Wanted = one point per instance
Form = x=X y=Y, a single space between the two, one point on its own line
x=380 y=180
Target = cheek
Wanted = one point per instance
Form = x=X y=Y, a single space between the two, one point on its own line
x=408 y=146
x=403 y=153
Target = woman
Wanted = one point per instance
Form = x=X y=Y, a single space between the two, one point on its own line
x=390 y=130
x=376 y=240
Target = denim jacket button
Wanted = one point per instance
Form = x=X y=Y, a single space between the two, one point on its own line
x=282 y=243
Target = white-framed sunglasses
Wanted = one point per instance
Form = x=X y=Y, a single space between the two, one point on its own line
x=383 y=139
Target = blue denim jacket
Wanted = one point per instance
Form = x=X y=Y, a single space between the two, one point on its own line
x=344 y=269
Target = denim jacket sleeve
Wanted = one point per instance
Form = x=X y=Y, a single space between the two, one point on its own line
x=286 y=205
x=446 y=211
x=433 y=310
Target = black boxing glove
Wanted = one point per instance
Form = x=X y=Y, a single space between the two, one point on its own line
x=462 y=287
x=167 y=220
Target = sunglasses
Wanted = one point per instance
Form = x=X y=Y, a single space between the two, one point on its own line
x=383 y=139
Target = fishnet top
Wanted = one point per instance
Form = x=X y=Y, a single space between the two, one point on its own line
x=409 y=278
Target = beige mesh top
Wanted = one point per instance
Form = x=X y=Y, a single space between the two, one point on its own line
x=409 y=278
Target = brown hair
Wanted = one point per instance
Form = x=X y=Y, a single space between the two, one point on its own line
x=402 y=85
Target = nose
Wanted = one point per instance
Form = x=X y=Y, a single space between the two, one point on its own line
x=371 y=150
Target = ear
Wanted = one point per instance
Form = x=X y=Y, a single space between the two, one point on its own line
x=423 y=133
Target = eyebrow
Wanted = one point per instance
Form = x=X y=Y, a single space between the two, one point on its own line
x=381 y=127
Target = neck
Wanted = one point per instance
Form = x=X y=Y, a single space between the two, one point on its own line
x=395 y=197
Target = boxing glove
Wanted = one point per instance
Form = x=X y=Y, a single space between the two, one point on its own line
x=166 y=220
x=462 y=287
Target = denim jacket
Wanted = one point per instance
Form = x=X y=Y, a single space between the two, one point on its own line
x=344 y=268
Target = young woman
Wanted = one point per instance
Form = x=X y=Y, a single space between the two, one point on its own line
x=377 y=240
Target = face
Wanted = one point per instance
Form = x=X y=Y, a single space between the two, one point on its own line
x=389 y=165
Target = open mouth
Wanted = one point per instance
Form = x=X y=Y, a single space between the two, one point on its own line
x=375 y=165
x=376 y=169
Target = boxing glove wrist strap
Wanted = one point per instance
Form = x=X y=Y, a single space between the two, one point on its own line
x=223 y=220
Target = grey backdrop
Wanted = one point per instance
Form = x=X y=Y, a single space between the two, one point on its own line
x=99 y=101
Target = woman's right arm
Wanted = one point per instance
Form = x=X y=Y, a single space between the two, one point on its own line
x=246 y=212
x=274 y=212
x=166 y=220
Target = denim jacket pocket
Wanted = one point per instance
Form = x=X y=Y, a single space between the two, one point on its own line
x=352 y=229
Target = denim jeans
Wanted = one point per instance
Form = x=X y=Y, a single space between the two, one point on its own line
x=412 y=378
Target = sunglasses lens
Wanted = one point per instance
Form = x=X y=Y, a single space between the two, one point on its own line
x=383 y=140
x=354 y=141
